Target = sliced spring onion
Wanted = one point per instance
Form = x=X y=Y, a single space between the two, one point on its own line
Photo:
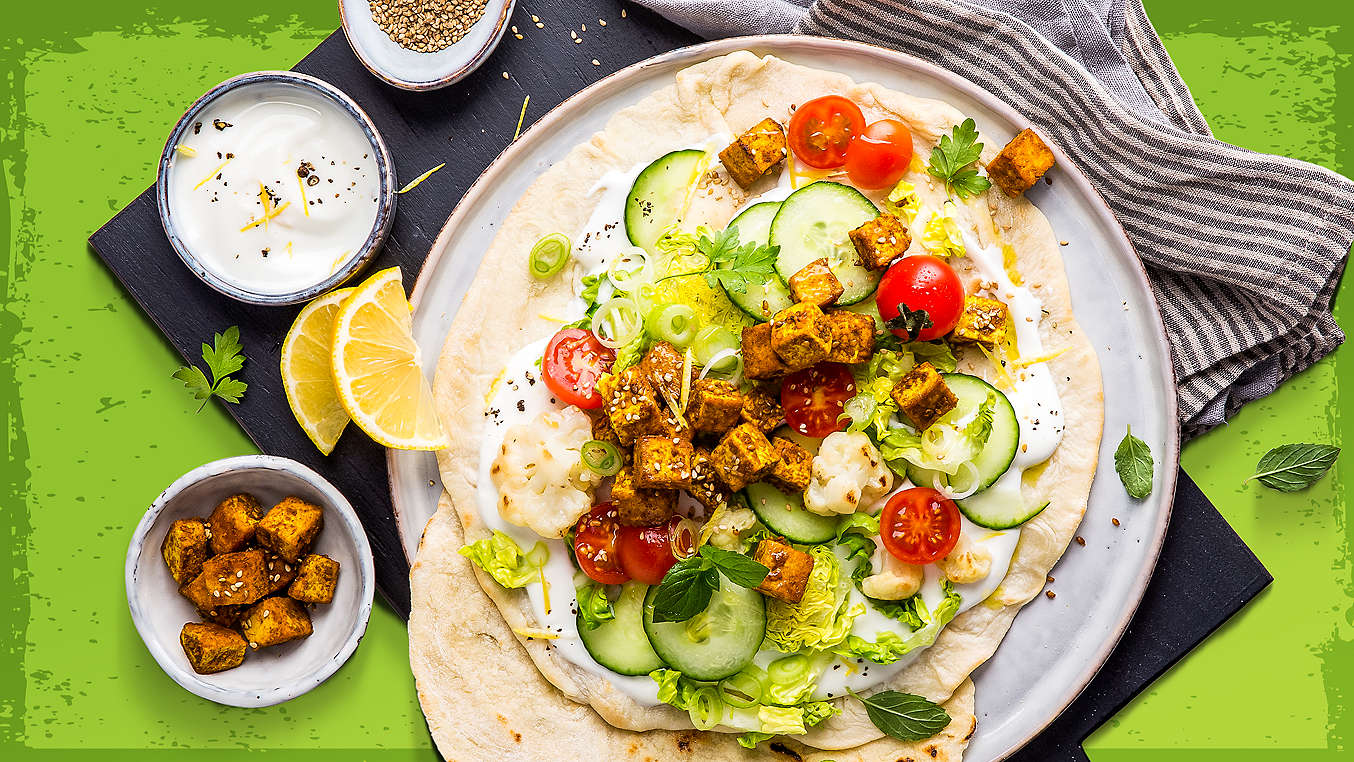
x=549 y=255
x=706 y=708
x=966 y=467
x=744 y=689
x=538 y=555
x=682 y=538
x=788 y=669
x=617 y=322
x=630 y=269
x=674 y=323
x=601 y=457
x=734 y=374
x=860 y=408
x=712 y=341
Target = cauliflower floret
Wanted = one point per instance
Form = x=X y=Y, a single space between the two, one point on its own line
x=541 y=480
x=725 y=527
x=968 y=562
x=894 y=580
x=847 y=472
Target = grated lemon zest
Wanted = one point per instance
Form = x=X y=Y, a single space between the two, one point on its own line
x=1008 y=263
x=692 y=185
x=517 y=132
x=545 y=591
x=1003 y=378
x=686 y=380
x=301 y=183
x=213 y=173
x=188 y=151
x=533 y=634
x=493 y=386
x=1025 y=363
x=264 y=219
x=414 y=182
x=551 y=318
x=334 y=266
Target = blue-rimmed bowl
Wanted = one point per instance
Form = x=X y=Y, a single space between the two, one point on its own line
x=385 y=213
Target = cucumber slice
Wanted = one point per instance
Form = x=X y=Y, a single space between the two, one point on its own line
x=760 y=302
x=620 y=645
x=715 y=643
x=996 y=457
x=658 y=195
x=814 y=222
x=786 y=515
x=1000 y=507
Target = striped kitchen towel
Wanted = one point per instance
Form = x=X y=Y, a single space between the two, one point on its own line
x=1244 y=250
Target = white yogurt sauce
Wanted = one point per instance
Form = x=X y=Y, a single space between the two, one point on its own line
x=274 y=188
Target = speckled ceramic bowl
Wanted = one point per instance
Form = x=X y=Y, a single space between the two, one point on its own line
x=411 y=70
x=269 y=675
x=385 y=213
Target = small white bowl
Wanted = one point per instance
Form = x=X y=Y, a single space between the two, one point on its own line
x=410 y=70
x=269 y=675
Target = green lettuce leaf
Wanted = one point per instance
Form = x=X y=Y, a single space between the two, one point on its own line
x=822 y=617
x=809 y=714
x=594 y=607
x=500 y=557
x=888 y=647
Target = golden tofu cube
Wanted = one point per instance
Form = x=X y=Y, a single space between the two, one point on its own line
x=184 y=549
x=706 y=487
x=289 y=527
x=233 y=579
x=663 y=463
x=663 y=365
x=316 y=580
x=852 y=336
x=755 y=152
x=815 y=284
x=630 y=402
x=791 y=472
x=761 y=408
x=801 y=336
x=923 y=397
x=1021 y=163
x=714 y=406
x=275 y=620
x=880 y=241
x=667 y=424
x=196 y=591
x=743 y=456
x=759 y=359
x=983 y=321
x=789 y=567
x=638 y=507
x=211 y=648
x=226 y=616
x=232 y=523
x=280 y=573
x=602 y=431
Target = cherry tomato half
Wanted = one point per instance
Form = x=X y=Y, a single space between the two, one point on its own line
x=821 y=129
x=595 y=540
x=574 y=360
x=879 y=156
x=919 y=525
x=646 y=553
x=814 y=398
x=922 y=282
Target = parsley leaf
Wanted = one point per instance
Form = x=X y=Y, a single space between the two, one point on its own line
x=686 y=589
x=223 y=357
x=952 y=158
x=911 y=322
x=1291 y=467
x=1133 y=462
x=903 y=715
x=734 y=266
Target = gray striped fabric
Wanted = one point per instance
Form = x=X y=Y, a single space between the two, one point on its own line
x=1243 y=250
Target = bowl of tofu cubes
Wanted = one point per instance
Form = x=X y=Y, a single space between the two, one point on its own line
x=250 y=580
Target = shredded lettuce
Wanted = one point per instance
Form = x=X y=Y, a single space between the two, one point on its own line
x=798 y=719
x=594 y=607
x=938 y=353
x=592 y=286
x=888 y=647
x=941 y=235
x=861 y=523
x=762 y=721
x=903 y=199
x=501 y=558
x=822 y=617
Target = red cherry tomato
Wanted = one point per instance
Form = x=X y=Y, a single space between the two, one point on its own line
x=647 y=553
x=595 y=540
x=919 y=525
x=574 y=360
x=813 y=398
x=922 y=282
x=879 y=156
x=821 y=129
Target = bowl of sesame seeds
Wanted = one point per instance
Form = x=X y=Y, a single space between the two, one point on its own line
x=282 y=672
x=423 y=44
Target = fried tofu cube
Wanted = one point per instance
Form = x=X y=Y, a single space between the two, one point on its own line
x=630 y=402
x=662 y=463
x=280 y=572
x=667 y=424
x=761 y=408
x=233 y=578
x=663 y=366
x=755 y=152
x=759 y=359
x=790 y=474
x=880 y=241
x=714 y=406
x=184 y=549
x=289 y=527
x=983 y=321
x=852 y=336
x=815 y=284
x=1021 y=163
x=211 y=648
x=789 y=567
x=638 y=507
x=232 y=523
x=706 y=487
x=743 y=456
x=602 y=431
x=196 y=592
x=275 y=620
x=800 y=336
x=315 y=580
x=923 y=397
x=226 y=616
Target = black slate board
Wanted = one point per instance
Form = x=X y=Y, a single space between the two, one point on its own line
x=1205 y=575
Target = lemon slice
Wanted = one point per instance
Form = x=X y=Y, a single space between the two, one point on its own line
x=308 y=372
x=376 y=367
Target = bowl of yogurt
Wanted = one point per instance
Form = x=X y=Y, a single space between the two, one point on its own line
x=275 y=187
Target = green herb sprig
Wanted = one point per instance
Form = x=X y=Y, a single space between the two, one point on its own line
x=953 y=157
x=686 y=590
x=223 y=358
x=904 y=716
x=1133 y=462
x=734 y=266
x=1293 y=467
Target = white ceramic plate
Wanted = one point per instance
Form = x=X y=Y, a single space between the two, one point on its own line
x=1056 y=646
x=269 y=675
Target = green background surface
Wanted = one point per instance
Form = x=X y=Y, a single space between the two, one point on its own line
x=96 y=427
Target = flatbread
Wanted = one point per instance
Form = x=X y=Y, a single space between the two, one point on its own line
x=460 y=650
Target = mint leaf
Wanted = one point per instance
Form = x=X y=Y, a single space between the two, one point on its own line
x=1293 y=467
x=1133 y=462
x=685 y=590
x=740 y=569
x=903 y=715
x=950 y=161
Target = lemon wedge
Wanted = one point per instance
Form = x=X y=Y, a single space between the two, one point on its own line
x=376 y=367
x=308 y=373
